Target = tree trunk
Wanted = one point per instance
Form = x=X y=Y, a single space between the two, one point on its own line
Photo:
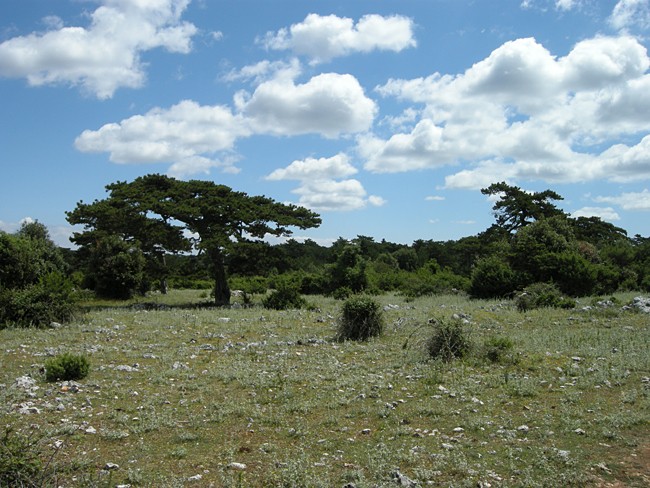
x=221 y=289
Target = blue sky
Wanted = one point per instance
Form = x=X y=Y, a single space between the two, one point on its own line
x=385 y=117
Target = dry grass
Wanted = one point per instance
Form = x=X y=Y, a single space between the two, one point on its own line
x=176 y=396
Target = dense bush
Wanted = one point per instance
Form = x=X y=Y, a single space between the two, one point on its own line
x=492 y=277
x=250 y=285
x=450 y=340
x=67 y=367
x=116 y=268
x=540 y=295
x=361 y=318
x=34 y=290
x=50 y=300
x=286 y=297
x=574 y=274
x=349 y=271
x=187 y=283
x=423 y=282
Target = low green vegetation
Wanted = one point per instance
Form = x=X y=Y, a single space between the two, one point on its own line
x=180 y=394
x=67 y=367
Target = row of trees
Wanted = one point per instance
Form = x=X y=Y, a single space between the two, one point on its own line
x=532 y=240
x=157 y=230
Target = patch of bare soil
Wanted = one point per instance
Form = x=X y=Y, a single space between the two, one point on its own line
x=630 y=472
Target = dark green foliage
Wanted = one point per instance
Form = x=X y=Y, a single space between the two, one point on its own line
x=573 y=274
x=348 y=271
x=219 y=216
x=492 y=277
x=250 y=285
x=361 y=318
x=540 y=295
x=517 y=208
x=497 y=349
x=67 y=367
x=116 y=268
x=286 y=297
x=407 y=258
x=34 y=290
x=450 y=340
x=342 y=293
x=38 y=305
x=20 y=460
x=423 y=283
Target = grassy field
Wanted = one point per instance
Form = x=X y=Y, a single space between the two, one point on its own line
x=194 y=396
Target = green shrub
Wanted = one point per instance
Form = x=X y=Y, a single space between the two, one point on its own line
x=450 y=340
x=497 y=348
x=20 y=459
x=51 y=299
x=342 y=293
x=540 y=295
x=250 y=285
x=492 y=277
x=361 y=318
x=66 y=367
x=117 y=268
x=423 y=282
x=284 y=298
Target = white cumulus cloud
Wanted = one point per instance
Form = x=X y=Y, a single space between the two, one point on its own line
x=605 y=213
x=628 y=14
x=331 y=195
x=322 y=38
x=324 y=184
x=629 y=201
x=187 y=135
x=194 y=138
x=524 y=113
x=309 y=169
x=104 y=55
x=329 y=104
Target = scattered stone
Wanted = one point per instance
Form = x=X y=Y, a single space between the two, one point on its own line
x=403 y=480
x=28 y=409
x=603 y=467
x=580 y=431
x=55 y=325
x=25 y=382
x=90 y=430
x=366 y=431
x=563 y=454
x=111 y=467
x=179 y=365
x=641 y=304
x=523 y=428
x=196 y=477
x=237 y=466
x=127 y=368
